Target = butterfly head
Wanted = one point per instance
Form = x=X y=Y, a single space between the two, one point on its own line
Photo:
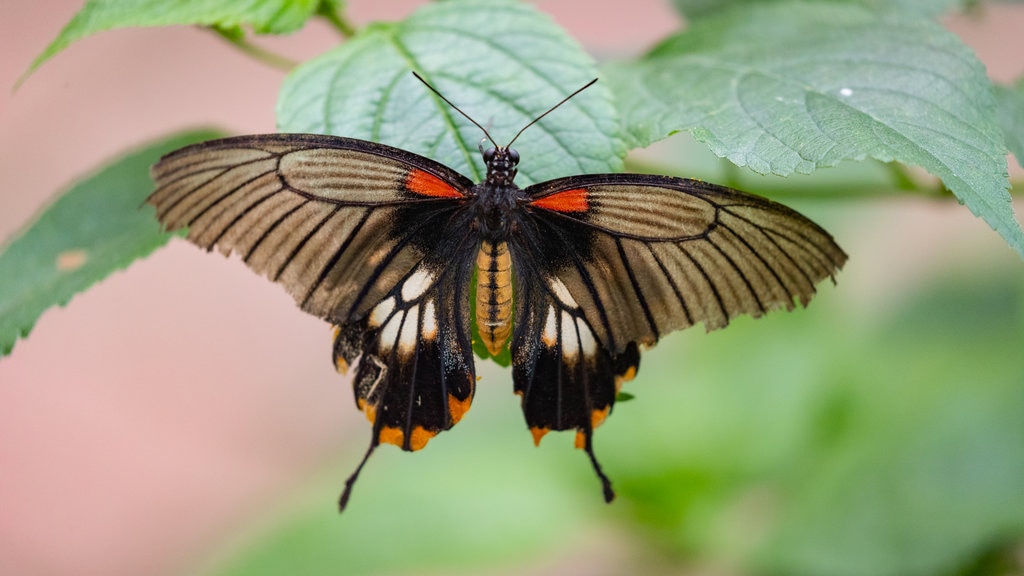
x=501 y=164
x=501 y=161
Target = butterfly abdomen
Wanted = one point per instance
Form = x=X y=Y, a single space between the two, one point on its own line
x=494 y=295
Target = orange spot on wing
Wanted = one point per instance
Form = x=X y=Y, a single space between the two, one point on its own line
x=419 y=437
x=626 y=377
x=389 y=435
x=574 y=200
x=426 y=184
x=581 y=440
x=340 y=365
x=538 y=433
x=598 y=416
x=458 y=408
x=369 y=409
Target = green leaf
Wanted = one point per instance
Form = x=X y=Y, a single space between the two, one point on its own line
x=701 y=8
x=1010 y=101
x=693 y=9
x=97 y=227
x=264 y=16
x=624 y=397
x=503 y=63
x=791 y=87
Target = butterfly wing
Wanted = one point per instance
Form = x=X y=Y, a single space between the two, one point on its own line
x=412 y=354
x=371 y=238
x=659 y=254
x=564 y=376
x=607 y=262
x=338 y=222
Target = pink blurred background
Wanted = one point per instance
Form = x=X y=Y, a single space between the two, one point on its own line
x=141 y=424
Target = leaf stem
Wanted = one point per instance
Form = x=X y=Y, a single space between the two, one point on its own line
x=261 y=54
x=327 y=11
x=900 y=177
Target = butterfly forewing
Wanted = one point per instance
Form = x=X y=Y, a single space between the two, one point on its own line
x=663 y=253
x=336 y=221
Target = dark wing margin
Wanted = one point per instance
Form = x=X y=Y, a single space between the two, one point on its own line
x=336 y=221
x=656 y=254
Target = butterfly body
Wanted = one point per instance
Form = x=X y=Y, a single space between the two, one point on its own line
x=572 y=275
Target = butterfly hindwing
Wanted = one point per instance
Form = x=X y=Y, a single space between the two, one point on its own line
x=411 y=356
x=565 y=377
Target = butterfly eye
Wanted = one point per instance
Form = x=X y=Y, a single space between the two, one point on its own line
x=489 y=155
x=513 y=156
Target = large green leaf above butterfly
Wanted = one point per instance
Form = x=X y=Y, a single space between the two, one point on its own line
x=789 y=87
x=499 y=60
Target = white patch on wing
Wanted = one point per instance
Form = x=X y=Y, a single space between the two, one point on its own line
x=416 y=284
x=587 y=342
x=550 y=334
x=570 y=341
x=389 y=333
x=381 y=312
x=429 y=321
x=410 y=332
x=562 y=293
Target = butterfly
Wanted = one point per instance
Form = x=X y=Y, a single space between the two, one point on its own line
x=404 y=256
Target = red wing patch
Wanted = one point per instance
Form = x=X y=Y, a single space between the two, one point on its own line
x=574 y=200
x=426 y=184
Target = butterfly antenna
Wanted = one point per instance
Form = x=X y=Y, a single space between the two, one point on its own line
x=343 y=501
x=457 y=109
x=550 y=110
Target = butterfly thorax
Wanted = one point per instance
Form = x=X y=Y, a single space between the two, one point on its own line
x=495 y=206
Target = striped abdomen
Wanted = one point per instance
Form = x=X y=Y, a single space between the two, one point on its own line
x=494 y=295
